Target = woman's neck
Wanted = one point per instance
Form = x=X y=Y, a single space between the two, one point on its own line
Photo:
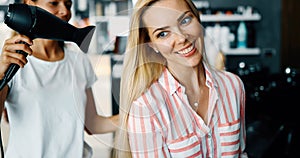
x=191 y=78
x=47 y=50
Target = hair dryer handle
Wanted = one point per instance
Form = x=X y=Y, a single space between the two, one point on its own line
x=12 y=70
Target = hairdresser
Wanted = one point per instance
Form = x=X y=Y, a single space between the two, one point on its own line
x=49 y=101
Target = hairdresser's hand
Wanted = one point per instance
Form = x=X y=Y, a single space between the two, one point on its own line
x=9 y=54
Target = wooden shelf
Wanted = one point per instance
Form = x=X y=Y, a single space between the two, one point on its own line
x=229 y=18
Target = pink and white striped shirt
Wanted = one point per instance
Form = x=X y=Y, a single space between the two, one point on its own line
x=162 y=124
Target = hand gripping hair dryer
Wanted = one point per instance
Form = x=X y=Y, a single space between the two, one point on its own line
x=36 y=22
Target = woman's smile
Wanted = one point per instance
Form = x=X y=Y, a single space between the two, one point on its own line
x=188 y=51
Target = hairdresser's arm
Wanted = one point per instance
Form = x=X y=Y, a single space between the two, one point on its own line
x=9 y=55
x=3 y=94
x=94 y=123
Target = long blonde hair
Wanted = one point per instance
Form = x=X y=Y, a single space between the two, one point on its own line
x=142 y=66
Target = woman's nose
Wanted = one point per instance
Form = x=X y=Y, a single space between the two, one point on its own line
x=63 y=10
x=180 y=36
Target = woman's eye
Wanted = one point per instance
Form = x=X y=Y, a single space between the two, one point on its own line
x=68 y=5
x=162 y=34
x=186 y=20
x=54 y=3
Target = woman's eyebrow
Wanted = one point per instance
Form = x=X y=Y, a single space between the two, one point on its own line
x=178 y=19
x=182 y=15
x=158 y=29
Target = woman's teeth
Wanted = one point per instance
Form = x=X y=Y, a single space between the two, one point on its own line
x=187 y=50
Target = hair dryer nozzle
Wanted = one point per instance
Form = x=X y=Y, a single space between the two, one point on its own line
x=83 y=36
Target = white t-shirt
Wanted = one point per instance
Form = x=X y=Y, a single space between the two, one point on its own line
x=46 y=107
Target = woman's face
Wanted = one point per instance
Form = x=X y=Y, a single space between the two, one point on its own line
x=59 y=8
x=174 y=31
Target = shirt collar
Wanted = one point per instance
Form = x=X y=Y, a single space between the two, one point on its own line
x=171 y=85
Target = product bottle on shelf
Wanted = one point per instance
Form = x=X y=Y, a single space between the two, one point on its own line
x=242 y=35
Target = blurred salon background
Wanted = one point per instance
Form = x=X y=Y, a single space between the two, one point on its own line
x=258 y=40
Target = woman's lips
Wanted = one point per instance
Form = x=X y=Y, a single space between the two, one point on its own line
x=188 y=51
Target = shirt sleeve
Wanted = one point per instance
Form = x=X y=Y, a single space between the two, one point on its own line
x=242 y=116
x=145 y=135
x=90 y=73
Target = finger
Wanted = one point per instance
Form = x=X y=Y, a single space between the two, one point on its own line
x=22 y=38
x=17 y=58
x=6 y=60
x=8 y=57
x=13 y=47
x=18 y=38
x=9 y=54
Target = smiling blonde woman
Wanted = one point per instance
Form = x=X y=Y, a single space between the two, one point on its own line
x=173 y=102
